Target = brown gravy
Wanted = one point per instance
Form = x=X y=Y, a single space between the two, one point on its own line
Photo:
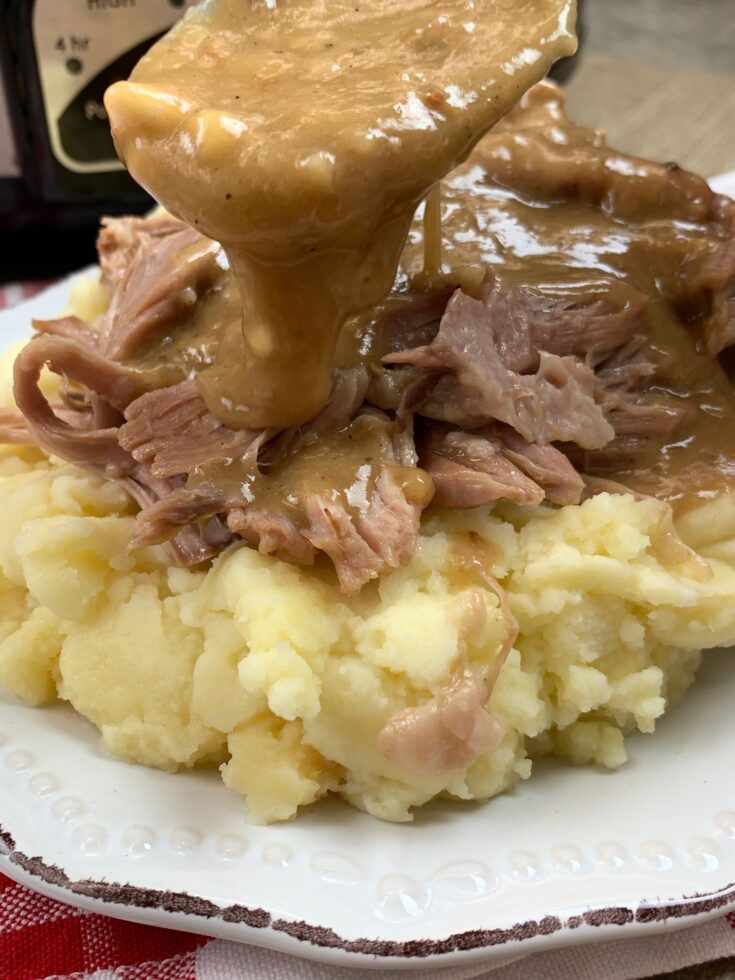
x=504 y=209
x=339 y=467
x=507 y=217
x=302 y=137
x=194 y=335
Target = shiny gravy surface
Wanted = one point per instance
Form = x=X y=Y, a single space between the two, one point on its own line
x=513 y=208
x=302 y=135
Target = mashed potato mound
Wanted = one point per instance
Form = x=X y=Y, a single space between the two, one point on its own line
x=269 y=672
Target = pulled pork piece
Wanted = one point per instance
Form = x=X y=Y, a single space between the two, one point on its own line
x=454 y=727
x=360 y=547
x=272 y=532
x=364 y=529
x=120 y=239
x=589 y=325
x=68 y=327
x=448 y=732
x=469 y=469
x=178 y=507
x=173 y=431
x=14 y=430
x=391 y=524
x=176 y=518
x=473 y=468
x=648 y=416
x=546 y=465
x=97 y=449
x=482 y=357
x=332 y=531
x=157 y=288
x=461 y=486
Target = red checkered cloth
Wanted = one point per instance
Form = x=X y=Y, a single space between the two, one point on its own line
x=41 y=939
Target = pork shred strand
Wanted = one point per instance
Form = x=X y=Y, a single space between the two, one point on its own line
x=382 y=538
x=97 y=449
x=173 y=431
x=514 y=357
x=272 y=533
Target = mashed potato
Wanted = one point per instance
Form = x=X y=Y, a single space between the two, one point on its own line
x=269 y=672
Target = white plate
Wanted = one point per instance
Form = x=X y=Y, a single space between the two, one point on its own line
x=573 y=855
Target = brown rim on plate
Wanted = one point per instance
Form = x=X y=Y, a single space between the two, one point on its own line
x=132 y=897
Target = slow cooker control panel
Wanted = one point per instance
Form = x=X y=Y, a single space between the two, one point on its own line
x=82 y=47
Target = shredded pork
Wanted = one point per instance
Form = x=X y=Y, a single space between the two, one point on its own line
x=514 y=392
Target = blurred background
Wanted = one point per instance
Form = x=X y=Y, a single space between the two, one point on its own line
x=658 y=75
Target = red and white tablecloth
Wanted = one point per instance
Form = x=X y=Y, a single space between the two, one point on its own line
x=41 y=938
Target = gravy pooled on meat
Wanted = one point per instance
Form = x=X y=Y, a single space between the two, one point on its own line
x=562 y=337
x=558 y=215
x=302 y=135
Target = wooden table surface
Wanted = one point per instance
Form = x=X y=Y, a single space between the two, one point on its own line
x=659 y=76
